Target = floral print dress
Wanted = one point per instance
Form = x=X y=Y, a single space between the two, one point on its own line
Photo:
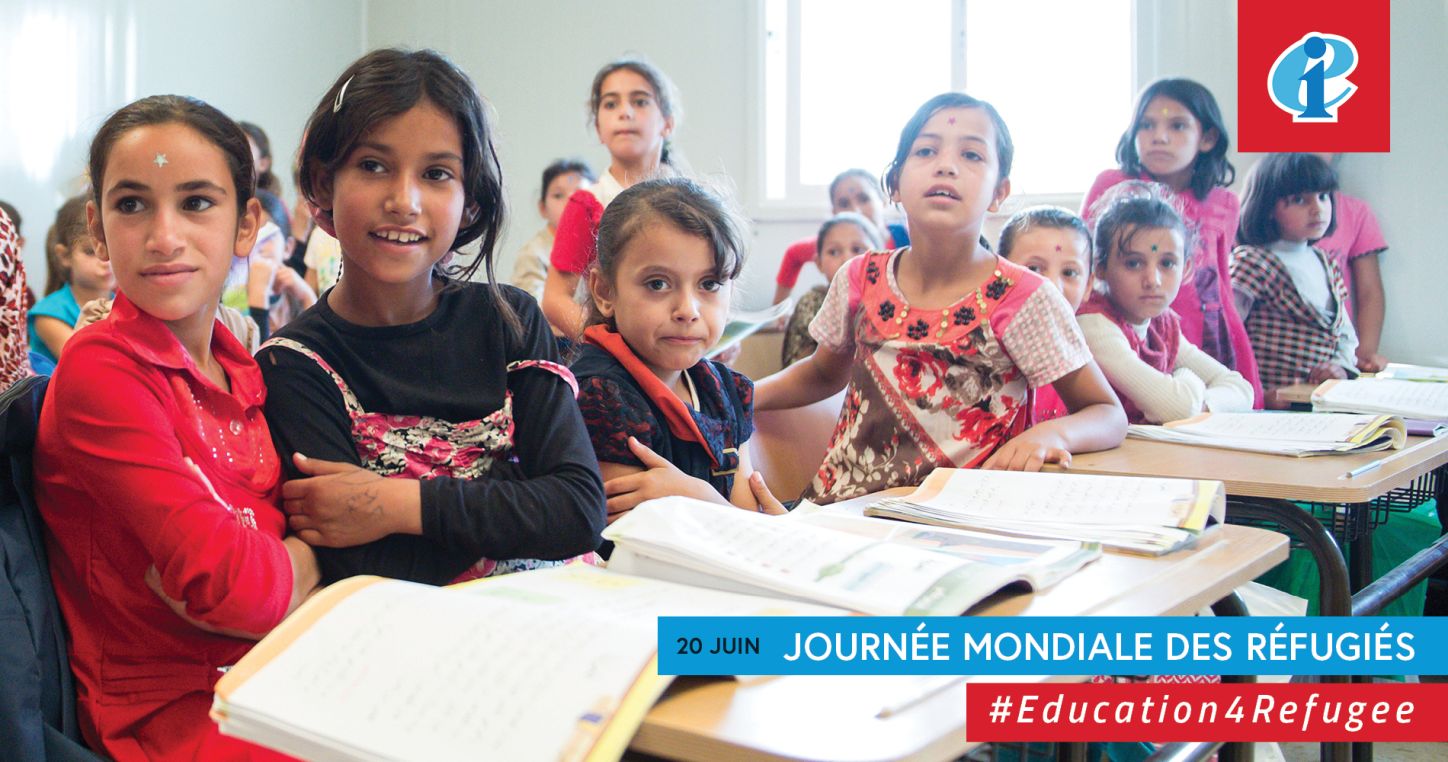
x=937 y=387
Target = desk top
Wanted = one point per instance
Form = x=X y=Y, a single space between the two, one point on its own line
x=1250 y=474
x=1297 y=393
x=835 y=717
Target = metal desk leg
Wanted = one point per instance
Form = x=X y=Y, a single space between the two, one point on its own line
x=1232 y=605
x=1334 y=598
x=1360 y=550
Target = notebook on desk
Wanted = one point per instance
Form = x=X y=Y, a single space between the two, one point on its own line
x=1280 y=433
x=1390 y=396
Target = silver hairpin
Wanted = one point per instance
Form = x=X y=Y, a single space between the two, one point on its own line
x=337 y=104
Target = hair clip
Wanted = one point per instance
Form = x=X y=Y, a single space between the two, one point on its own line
x=337 y=104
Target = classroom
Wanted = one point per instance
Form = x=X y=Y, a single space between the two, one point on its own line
x=753 y=272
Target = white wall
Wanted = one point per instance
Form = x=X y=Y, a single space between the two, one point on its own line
x=69 y=63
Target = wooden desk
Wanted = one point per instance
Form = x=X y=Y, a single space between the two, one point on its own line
x=1297 y=394
x=834 y=717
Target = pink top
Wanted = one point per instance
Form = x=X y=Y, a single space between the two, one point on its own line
x=1209 y=319
x=1357 y=235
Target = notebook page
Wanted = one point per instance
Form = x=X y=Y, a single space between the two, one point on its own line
x=1322 y=428
x=1409 y=398
x=1064 y=498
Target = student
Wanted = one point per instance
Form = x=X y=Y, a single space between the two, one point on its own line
x=1290 y=292
x=1053 y=243
x=853 y=190
x=154 y=468
x=943 y=341
x=1177 y=138
x=663 y=419
x=843 y=237
x=635 y=109
x=85 y=277
x=560 y=180
x=14 y=346
x=1136 y=338
x=429 y=431
x=1355 y=245
x=261 y=156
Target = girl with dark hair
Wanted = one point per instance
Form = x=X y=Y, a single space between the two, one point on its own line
x=154 y=468
x=560 y=180
x=663 y=419
x=853 y=190
x=1177 y=138
x=1289 y=291
x=428 y=429
x=942 y=342
x=1136 y=338
x=841 y=238
x=635 y=109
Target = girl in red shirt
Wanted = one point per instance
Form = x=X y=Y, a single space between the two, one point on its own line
x=635 y=109
x=154 y=468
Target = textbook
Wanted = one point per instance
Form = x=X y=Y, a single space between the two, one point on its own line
x=742 y=325
x=552 y=664
x=852 y=562
x=1282 y=433
x=1133 y=514
x=1391 y=396
x=1405 y=372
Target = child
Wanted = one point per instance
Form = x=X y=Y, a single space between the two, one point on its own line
x=14 y=347
x=1177 y=138
x=853 y=190
x=1141 y=245
x=438 y=430
x=1290 y=292
x=154 y=469
x=843 y=237
x=942 y=342
x=664 y=420
x=1054 y=244
x=1355 y=246
x=261 y=157
x=635 y=109
x=560 y=180
x=86 y=276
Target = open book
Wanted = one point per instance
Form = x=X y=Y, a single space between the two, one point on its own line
x=554 y=664
x=855 y=563
x=1128 y=513
x=1391 y=396
x=742 y=325
x=1405 y=372
x=1297 y=434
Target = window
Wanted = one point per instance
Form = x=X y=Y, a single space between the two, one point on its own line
x=841 y=77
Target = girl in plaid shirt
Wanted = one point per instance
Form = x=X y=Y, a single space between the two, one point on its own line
x=1289 y=293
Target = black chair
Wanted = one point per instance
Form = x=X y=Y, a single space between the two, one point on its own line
x=37 y=695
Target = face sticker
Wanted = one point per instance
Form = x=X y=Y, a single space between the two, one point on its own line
x=161 y=160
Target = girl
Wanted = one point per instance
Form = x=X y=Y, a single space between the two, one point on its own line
x=261 y=156
x=942 y=342
x=560 y=180
x=1054 y=244
x=154 y=469
x=1177 y=138
x=438 y=430
x=1355 y=245
x=853 y=190
x=1141 y=245
x=664 y=420
x=843 y=237
x=1290 y=292
x=86 y=276
x=635 y=109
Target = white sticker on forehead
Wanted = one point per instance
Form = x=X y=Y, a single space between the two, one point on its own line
x=161 y=160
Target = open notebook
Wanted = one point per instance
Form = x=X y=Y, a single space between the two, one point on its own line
x=1391 y=396
x=1405 y=372
x=742 y=325
x=1297 y=434
x=1126 y=513
x=554 y=664
x=861 y=564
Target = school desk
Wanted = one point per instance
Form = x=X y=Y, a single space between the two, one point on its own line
x=1297 y=394
x=1263 y=487
x=835 y=717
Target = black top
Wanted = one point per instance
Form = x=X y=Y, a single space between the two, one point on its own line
x=616 y=407
x=451 y=365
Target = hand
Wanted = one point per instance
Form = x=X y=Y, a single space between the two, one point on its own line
x=261 y=273
x=1028 y=452
x=766 y=499
x=1324 y=372
x=338 y=505
x=660 y=478
x=94 y=310
x=153 y=581
x=286 y=280
x=1370 y=362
